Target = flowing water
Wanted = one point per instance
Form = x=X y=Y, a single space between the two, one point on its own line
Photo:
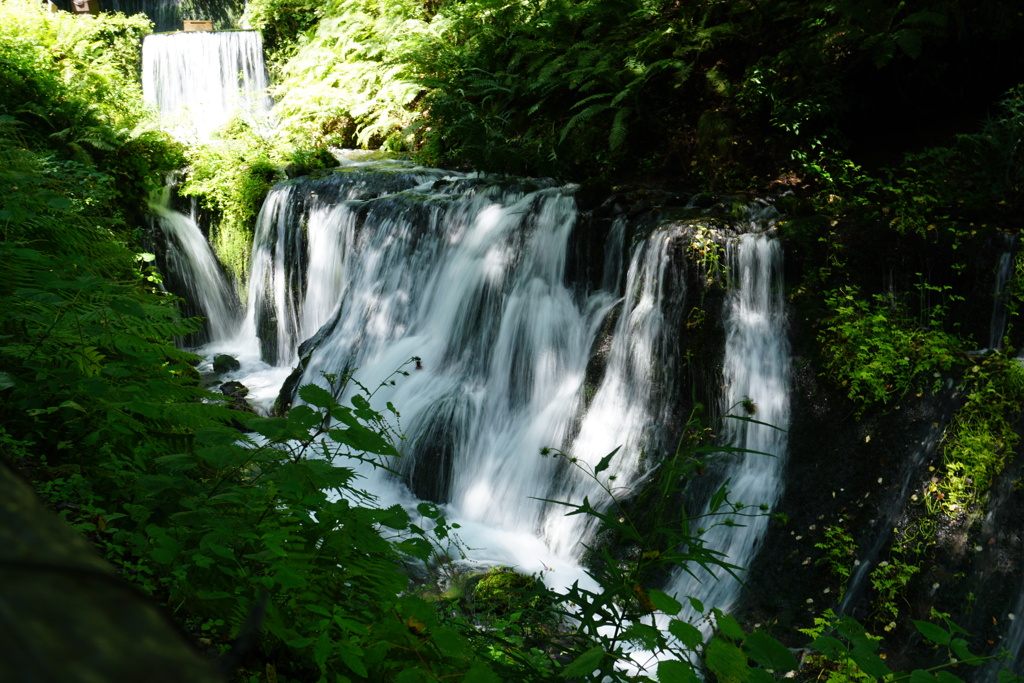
x=756 y=379
x=376 y=264
x=199 y=80
x=191 y=262
x=1003 y=273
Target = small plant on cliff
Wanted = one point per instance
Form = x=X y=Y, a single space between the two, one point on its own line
x=840 y=551
x=981 y=437
x=876 y=351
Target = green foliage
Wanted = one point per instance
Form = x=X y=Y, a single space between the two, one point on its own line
x=504 y=590
x=73 y=83
x=285 y=26
x=601 y=86
x=232 y=176
x=981 y=437
x=840 y=551
x=982 y=170
x=345 y=82
x=889 y=580
x=877 y=351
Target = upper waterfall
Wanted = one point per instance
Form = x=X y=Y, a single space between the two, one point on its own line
x=199 y=80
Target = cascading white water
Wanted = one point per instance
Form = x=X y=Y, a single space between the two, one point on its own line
x=470 y=276
x=199 y=80
x=756 y=367
x=473 y=283
x=620 y=415
x=189 y=257
x=301 y=257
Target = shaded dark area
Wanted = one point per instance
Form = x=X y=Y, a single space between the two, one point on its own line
x=66 y=615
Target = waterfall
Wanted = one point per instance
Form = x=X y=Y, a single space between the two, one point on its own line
x=470 y=278
x=301 y=255
x=756 y=367
x=199 y=80
x=190 y=260
x=366 y=267
x=1004 y=271
x=621 y=413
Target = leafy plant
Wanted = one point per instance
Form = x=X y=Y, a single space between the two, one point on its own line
x=981 y=438
x=840 y=551
x=877 y=352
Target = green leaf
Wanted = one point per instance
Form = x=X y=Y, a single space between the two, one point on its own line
x=217 y=436
x=666 y=603
x=128 y=307
x=395 y=517
x=353 y=658
x=316 y=395
x=833 y=648
x=769 y=652
x=646 y=637
x=676 y=672
x=697 y=605
x=946 y=677
x=921 y=676
x=450 y=641
x=274 y=428
x=412 y=675
x=480 y=673
x=717 y=499
x=959 y=648
x=869 y=662
x=932 y=632
x=362 y=439
x=303 y=418
x=688 y=634
x=728 y=626
x=726 y=661
x=585 y=664
x=1007 y=676
x=605 y=461
x=6 y=380
x=428 y=510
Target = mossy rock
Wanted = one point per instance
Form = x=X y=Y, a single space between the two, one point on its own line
x=223 y=363
x=503 y=590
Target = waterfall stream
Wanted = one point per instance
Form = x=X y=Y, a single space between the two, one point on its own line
x=756 y=379
x=371 y=265
x=189 y=258
x=199 y=80
x=1003 y=273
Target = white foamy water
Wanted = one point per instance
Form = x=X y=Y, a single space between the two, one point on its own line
x=756 y=366
x=189 y=256
x=372 y=268
x=199 y=80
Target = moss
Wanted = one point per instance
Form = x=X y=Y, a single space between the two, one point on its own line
x=503 y=590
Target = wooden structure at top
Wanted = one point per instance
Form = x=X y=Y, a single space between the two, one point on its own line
x=197 y=25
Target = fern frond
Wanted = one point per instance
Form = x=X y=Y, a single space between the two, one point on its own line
x=620 y=128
